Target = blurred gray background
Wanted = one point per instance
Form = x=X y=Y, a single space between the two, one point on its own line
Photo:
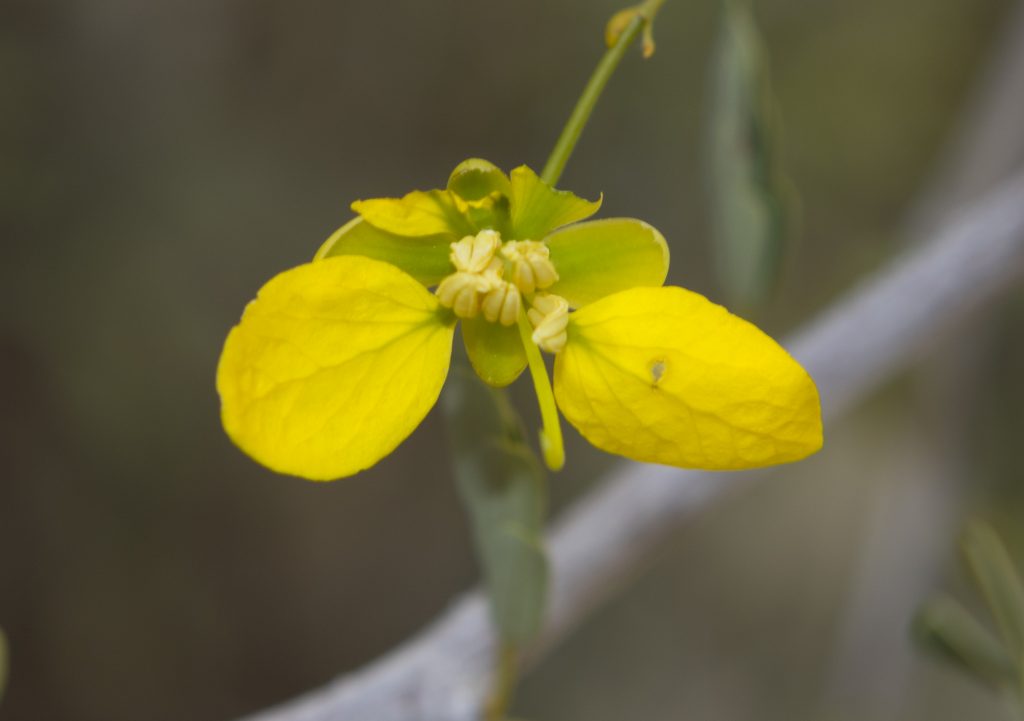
x=160 y=160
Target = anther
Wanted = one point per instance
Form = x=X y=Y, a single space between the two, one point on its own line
x=461 y=292
x=549 y=316
x=532 y=268
x=502 y=303
x=475 y=253
x=478 y=271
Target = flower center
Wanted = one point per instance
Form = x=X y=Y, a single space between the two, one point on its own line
x=532 y=268
x=475 y=254
x=479 y=284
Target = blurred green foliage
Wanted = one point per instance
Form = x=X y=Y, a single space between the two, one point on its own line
x=502 y=485
x=945 y=627
x=753 y=203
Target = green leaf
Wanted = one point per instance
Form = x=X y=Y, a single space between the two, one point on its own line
x=425 y=257
x=495 y=351
x=997 y=577
x=601 y=257
x=537 y=208
x=4 y=663
x=948 y=630
x=502 y=487
x=752 y=200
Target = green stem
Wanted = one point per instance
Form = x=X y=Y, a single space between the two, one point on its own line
x=551 y=429
x=566 y=143
x=506 y=674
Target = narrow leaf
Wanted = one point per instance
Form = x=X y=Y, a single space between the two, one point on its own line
x=752 y=200
x=502 y=487
x=999 y=582
x=948 y=630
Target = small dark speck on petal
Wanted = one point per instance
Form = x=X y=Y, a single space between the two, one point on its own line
x=657 y=371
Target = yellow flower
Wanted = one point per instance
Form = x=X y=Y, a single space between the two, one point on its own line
x=337 y=361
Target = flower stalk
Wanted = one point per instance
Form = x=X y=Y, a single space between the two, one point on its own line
x=637 y=20
x=506 y=676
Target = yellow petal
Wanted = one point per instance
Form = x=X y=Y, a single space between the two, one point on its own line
x=417 y=213
x=332 y=366
x=663 y=375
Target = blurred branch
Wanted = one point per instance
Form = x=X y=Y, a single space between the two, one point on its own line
x=988 y=143
x=908 y=533
x=868 y=336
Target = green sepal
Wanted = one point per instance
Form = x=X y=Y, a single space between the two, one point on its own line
x=753 y=203
x=492 y=213
x=948 y=630
x=502 y=487
x=475 y=179
x=601 y=257
x=537 y=208
x=425 y=257
x=495 y=351
x=418 y=213
x=482 y=191
x=1000 y=584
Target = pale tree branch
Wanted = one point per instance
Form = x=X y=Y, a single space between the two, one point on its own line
x=868 y=336
x=908 y=536
x=987 y=143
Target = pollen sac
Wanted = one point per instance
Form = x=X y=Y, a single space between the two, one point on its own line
x=476 y=253
x=532 y=268
x=502 y=303
x=477 y=275
x=549 y=316
x=462 y=291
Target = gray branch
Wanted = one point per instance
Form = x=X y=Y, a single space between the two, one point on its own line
x=868 y=336
x=907 y=537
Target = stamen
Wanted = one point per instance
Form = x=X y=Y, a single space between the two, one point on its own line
x=477 y=284
x=478 y=271
x=532 y=268
x=474 y=253
x=502 y=302
x=551 y=431
x=522 y=275
x=549 y=316
x=461 y=292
